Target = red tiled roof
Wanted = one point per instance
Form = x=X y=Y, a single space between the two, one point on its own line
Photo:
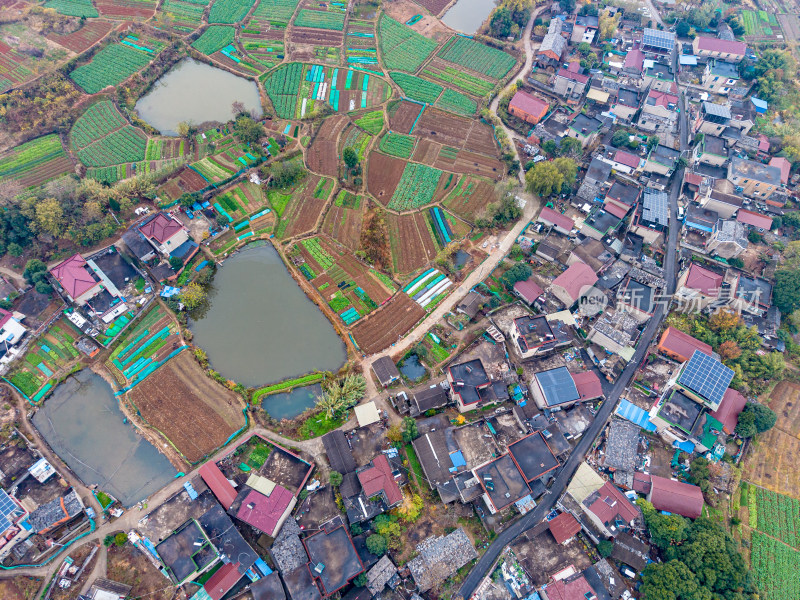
x=784 y=165
x=729 y=409
x=266 y=511
x=5 y=317
x=662 y=98
x=556 y=218
x=754 y=219
x=713 y=44
x=221 y=582
x=218 y=483
x=615 y=209
x=627 y=159
x=634 y=60
x=703 y=280
x=588 y=384
x=682 y=344
x=528 y=289
x=568 y=74
x=641 y=482
x=572 y=588
x=73 y=276
x=575 y=278
x=763 y=143
x=564 y=527
x=379 y=478
x=160 y=228
x=676 y=497
x=612 y=504
x=536 y=107
x=693 y=178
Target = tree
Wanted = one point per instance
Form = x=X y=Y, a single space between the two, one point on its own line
x=569 y=146
x=335 y=478
x=32 y=267
x=410 y=431
x=500 y=23
x=584 y=48
x=42 y=287
x=699 y=470
x=361 y=580
x=786 y=292
x=665 y=530
x=50 y=217
x=376 y=544
x=608 y=25
x=350 y=157
x=411 y=508
x=567 y=6
x=568 y=168
x=746 y=425
x=671 y=581
x=652 y=142
x=120 y=539
x=175 y=263
x=729 y=350
x=247 y=130
x=183 y=129
x=754 y=237
x=544 y=179
x=724 y=320
x=193 y=295
x=395 y=434
x=605 y=548
x=518 y=272
x=238 y=108
x=764 y=418
x=682 y=29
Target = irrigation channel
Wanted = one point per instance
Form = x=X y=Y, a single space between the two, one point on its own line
x=83 y=424
x=259 y=327
x=195 y=93
x=467 y=15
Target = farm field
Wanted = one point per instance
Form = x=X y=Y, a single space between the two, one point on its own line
x=36 y=162
x=186 y=15
x=387 y=324
x=241 y=200
x=349 y=287
x=101 y=137
x=215 y=38
x=759 y=23
x=265 y=52
x=318 y=19
x=305 y=207
x=360 y=45
x=371 y=122
x=775 y=566
x=416 y=187
x=229 y=11
x=72 y=8
x=277 y=13
x=402 y=48
x=469 y=54
x=355 y=138
x=322 y=155
x=195 y=414
x=343 y=220
x=144 y=346
x=46 y=359
x=143 y=9
x=412 y=242
x=417 y=88
x=78 y=41
x=13 y=68
x=470 y=198
x=115 y=63
x=397 y=144
x=772 y=464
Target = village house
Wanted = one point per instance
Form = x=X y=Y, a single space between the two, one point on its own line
x=472 y=387
x=584 y=129
x=527 y=107
x=386 y=371
x=698 y=287
x=719 y=77
x=534 y=336
x=675 y=497
x=571 y=82
x=621 y=161
x=553 y=46
x=552 y=218
x=564 y=528
x=754 y=179
x=627 y=102
x=662 y=160
x=164 y=232
x=713 y=47
x=711 y=150
x=680 y=346
x=728 y=239
x=573 y=283
x=584 y=29
x=440 y=557
x=784 y=165
x=658 y=112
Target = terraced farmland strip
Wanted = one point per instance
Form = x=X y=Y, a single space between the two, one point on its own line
x=111 y=66
x=478 y=57
x=282 y=86
x=73 y=8
x=456 y=102
x=402 y=48
x=277 y=12
x=229 y=11
x=416 y=88
x=36 y=161
x=397 y=144
x=214 y=38
x=318 y=19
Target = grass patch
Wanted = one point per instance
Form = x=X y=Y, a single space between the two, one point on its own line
x=319 y=424
x=286 y=385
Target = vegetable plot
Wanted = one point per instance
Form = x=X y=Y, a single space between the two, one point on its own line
x=214 y=38
x=416 y=188
x=417 y=89
x=397 y=144
x=73 y=8
x=114 y=64
x=229 y=11
x=477 y=57
x=318 y=19
x=102 y=137
x=282 y=86
x=402 y=48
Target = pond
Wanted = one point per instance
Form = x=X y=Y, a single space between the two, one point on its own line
x=84 y=425
x=412 y=368
x=259 y=327
x=195 y=92
x=460 y=259
x=288 y=405
x=467 y=15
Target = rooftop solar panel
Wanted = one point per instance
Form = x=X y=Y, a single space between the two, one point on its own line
x=717 y=110
x=558 y=386
x=658 y=38
x=655 y=207
x=707 y=377
x=7 y=508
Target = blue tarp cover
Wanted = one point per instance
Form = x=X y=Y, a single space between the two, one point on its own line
x=634 y=414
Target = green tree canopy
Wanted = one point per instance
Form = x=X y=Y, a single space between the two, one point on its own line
x=544 y=179
x=350 y=157
x=376 y=544
x=786 y=292
x=518 y=272
x=335 y=478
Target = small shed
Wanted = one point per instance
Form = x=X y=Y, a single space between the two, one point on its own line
x=367 y=414
x=385 y=370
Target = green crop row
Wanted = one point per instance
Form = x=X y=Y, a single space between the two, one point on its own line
x=458 y=103
x=282 y=86
x=229 y=11
x=319 y=20
x=397 y=144
x=402 y=48
x=318 y=253
x=111 y=66
x=73 y=8
x=775 y=567
x=477 y=57
x=214 y=38
x=31 y=155
x=277 y=12
x=122 y=146
x=416 y=88
x=182 y=11
x=99 y=119
x=778 y=516
x=462 y=80
x=416 y=188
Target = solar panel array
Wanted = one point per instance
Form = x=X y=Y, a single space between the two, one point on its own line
x=655 y=207
x=7 y=507
x=558 y=386
x=707 y=377
x=658 y=39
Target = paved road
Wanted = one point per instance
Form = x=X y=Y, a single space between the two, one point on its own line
x=485 y=563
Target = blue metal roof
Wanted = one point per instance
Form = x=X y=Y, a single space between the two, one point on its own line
x=634 y=414
x=558 y=386
x=686 y=446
